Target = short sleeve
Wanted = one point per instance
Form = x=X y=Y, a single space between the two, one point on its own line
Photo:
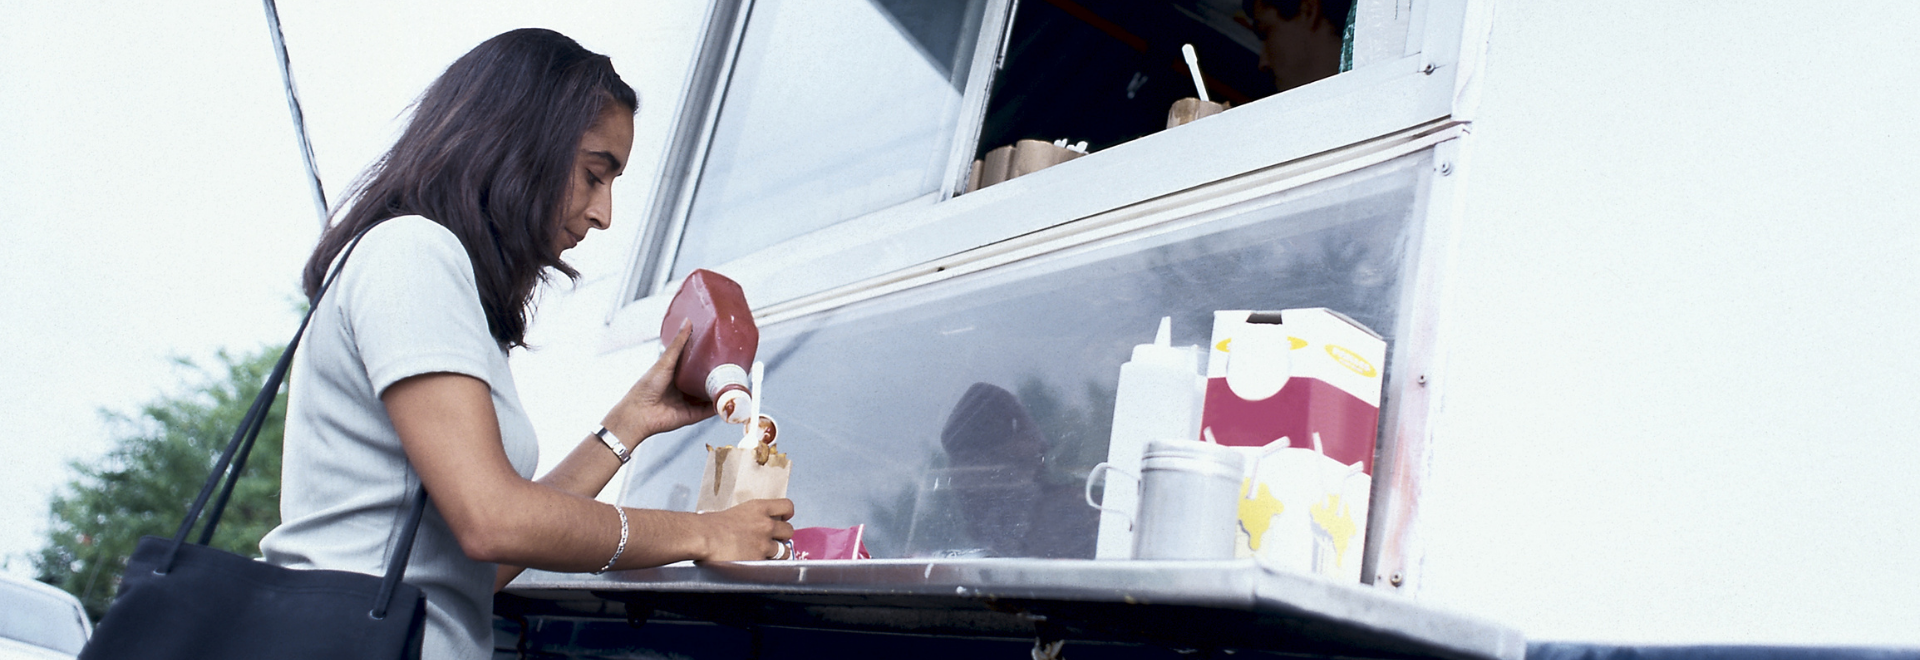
x=411 y=305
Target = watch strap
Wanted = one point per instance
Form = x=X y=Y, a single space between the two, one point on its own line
x=619 y=448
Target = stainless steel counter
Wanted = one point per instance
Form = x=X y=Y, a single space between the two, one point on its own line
x=1178 y=604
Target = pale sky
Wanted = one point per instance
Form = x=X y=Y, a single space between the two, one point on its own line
x=150 y=201
x=153 y=202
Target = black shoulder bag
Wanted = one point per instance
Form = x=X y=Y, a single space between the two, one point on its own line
x=182 y=600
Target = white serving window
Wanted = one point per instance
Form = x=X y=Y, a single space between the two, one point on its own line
x=892 y=292
x=824 y=147
x=834 y=109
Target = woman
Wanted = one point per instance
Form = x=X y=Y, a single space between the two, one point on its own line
x=402 y=380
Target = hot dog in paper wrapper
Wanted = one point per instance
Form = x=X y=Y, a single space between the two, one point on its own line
x=736 y=474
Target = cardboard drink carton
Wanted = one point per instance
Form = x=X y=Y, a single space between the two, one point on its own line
x=1299 y=391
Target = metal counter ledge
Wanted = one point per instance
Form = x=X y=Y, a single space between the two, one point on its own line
x=1212 y=605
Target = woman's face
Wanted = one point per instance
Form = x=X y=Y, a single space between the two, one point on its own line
x=602 y=156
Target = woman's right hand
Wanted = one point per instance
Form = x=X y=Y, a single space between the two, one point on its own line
x=751 y=530
x=654 y=405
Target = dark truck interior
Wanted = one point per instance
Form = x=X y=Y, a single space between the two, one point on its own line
x=1106 y=71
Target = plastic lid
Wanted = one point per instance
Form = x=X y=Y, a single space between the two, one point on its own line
x=1196 y=450
x=741 y=406
x=1162 y=352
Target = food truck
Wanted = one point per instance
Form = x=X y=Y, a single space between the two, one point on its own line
x=956 y=221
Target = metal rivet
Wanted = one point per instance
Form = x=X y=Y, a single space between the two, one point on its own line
x=1422 y=380
x=1446 y=169
x=1428 y=69
x=1396 y=579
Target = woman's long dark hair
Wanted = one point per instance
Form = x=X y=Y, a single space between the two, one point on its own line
x=489 y=153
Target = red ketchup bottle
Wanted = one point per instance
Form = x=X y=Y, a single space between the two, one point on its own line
x=713 y=367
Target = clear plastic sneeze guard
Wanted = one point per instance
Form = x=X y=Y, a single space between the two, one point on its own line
x=960 y=419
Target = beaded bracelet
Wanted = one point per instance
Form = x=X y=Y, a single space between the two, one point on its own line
x=623 y=541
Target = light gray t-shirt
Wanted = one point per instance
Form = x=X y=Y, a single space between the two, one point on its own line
x=406 y=304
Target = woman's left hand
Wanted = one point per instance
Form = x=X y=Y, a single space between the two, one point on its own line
x=654 y=405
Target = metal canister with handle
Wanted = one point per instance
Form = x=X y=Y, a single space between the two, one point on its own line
x=1188 y=500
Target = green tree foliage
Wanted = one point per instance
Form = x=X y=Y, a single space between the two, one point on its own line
x=157 y=464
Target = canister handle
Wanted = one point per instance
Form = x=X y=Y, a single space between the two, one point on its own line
x=1097 y=505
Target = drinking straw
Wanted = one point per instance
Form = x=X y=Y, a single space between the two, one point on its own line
x=1193 y=66
x=1269 y=450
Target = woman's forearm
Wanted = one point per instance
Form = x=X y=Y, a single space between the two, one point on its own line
x=542 y=527
x=447 y=427
x=585 y=472
x=587 y=469
x=571 y=533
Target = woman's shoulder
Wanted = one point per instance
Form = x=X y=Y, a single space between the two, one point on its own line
x=414 y=230
x=412 y=241
x=410 y=249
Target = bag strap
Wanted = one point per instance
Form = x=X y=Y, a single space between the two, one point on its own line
x=397 y=566
x=249 y=429
x=241 y=446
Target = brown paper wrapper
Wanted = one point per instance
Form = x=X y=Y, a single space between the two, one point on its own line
x=995 y=164
x=734 y=475
x=1188 y=109
x=1031 y=156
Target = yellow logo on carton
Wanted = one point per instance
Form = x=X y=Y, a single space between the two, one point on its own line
x=1256 y=513
x=1333 y=518
x=1293 y=343
x=1352 y=361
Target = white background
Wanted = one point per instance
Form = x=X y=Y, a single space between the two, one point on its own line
x=1681 y=401
x=153 y=203
x=1678 y=406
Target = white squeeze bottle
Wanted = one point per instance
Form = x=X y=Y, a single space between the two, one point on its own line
x=1159 y=398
